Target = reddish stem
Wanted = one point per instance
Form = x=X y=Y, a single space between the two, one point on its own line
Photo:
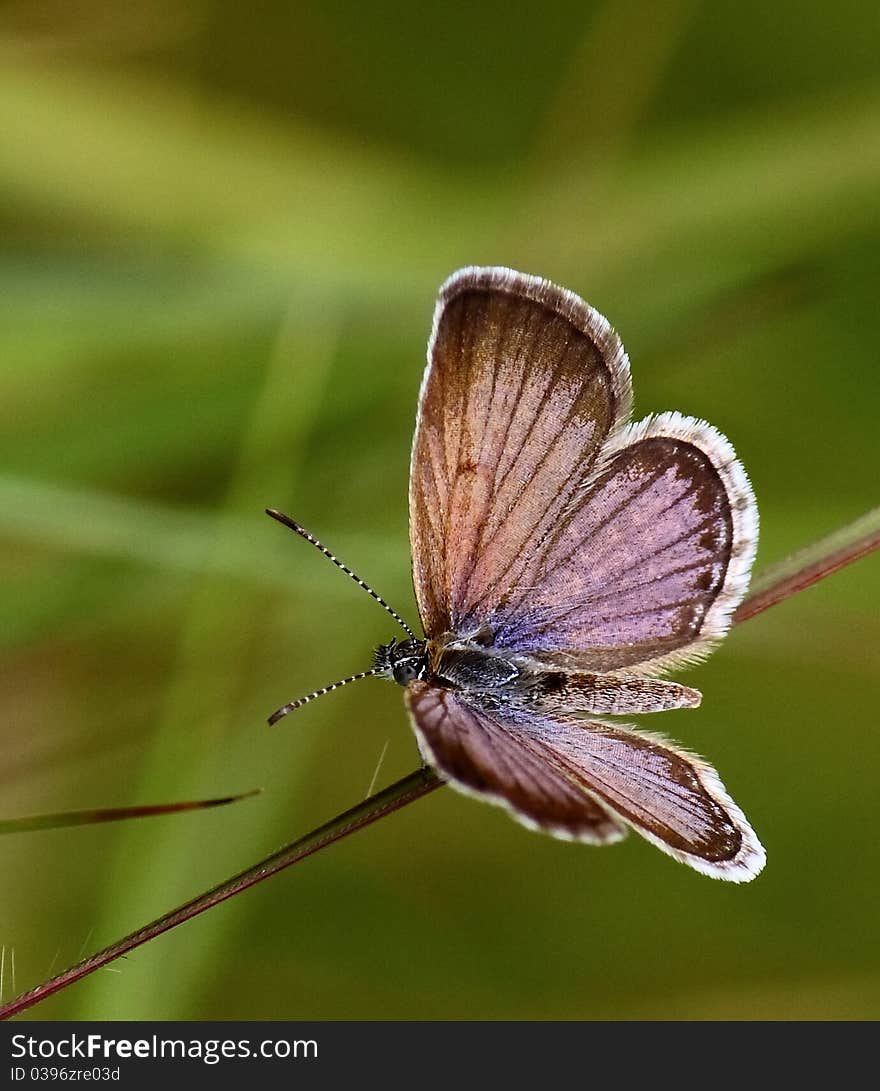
x=810 y=565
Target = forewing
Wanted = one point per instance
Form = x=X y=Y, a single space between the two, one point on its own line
x=649 y=561
x=523 y=386
x=538 y=519
x=551 y=771
x=480 y=755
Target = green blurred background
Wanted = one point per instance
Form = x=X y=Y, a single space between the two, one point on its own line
x=223 y=227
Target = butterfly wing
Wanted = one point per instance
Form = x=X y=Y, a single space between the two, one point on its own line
x=479 y=755
x=536 y=510
x=523 y=386
x=560 y=775
x=647 y=567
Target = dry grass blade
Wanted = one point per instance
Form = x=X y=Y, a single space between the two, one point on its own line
x=806 y=567
x=62 y=819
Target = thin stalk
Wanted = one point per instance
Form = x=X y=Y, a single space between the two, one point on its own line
x=62 y=819
x=404 y=791
x=779 y=582
x=806 y=567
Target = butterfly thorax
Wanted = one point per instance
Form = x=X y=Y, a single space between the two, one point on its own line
x=462 y=665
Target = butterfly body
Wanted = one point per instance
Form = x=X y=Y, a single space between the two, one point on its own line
x=469 y=667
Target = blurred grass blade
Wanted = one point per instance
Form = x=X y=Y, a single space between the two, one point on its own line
x=268 y=191
x=806 y=567
x=200 y=723
x=163 y=536
x=697 y=206
x=62 y=819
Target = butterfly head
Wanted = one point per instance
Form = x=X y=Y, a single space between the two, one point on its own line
x=406 y=661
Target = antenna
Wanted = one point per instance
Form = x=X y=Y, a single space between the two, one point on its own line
x=303 y=533
x=292 y=705
x=280 y=517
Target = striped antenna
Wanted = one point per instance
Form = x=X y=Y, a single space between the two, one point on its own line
x=303 y=533
x=276 y=716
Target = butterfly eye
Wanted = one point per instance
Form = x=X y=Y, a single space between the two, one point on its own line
x=407 y=670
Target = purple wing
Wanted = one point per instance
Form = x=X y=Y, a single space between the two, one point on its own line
x=535 y=510
x=647 y=567
x=562 y=775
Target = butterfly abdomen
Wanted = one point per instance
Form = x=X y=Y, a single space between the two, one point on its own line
x=556 y=692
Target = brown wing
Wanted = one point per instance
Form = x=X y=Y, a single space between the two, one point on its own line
x=524 y=384
x=553 y=773
x=481 y=757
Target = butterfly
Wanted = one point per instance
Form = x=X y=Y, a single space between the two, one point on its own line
x=564 y=559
